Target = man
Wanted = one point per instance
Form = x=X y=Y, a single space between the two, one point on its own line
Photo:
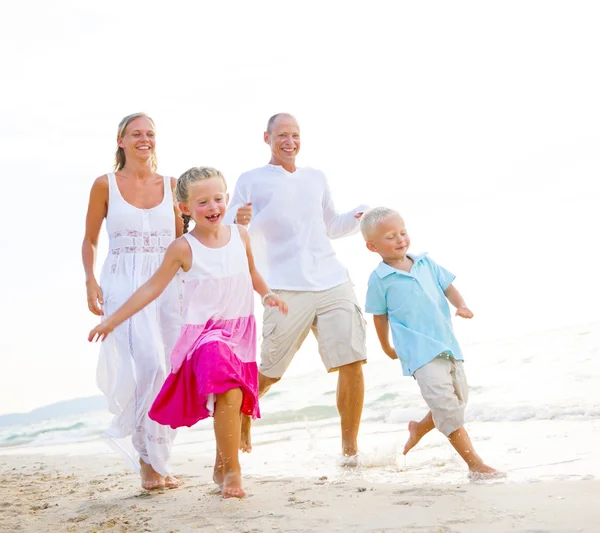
x=294 y=220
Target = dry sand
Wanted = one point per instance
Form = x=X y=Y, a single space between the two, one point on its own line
x=61 y=493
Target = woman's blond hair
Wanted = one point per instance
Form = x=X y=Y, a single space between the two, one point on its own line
x=120 y=153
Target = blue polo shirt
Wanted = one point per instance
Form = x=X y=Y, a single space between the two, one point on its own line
x=417 y=310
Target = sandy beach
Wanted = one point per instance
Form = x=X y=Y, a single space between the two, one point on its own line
x=62 y=493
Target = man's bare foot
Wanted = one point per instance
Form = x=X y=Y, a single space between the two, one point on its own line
x=414 y=436
x=482 y=471
x=171 y=482
x=350 y=461
x=151 y=479
x=245 y=438
x=232 y=485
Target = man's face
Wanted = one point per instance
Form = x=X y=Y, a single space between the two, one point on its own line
x=284 y=140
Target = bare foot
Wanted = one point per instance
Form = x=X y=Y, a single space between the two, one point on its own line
x=414 y=436
x=151 y=479
x=219 y=474
x=171 y=482
x=482 y=471
x=245 y=439
x=232 y=485
x=350 y=461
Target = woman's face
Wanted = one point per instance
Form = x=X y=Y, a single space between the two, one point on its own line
x=139 y=139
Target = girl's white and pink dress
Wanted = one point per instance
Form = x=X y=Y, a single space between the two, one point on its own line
x=216 y=350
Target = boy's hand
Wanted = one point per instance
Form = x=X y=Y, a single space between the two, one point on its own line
x=391 y=353
x=100 y=332
x=276 y=301
x=464 y=312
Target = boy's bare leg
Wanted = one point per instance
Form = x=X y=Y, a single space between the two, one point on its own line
x=264 y=384
x=462 y=444
x=417 y=430
x=227 y=433
x=350 y=399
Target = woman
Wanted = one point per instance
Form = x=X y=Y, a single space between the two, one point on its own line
x=141 y=220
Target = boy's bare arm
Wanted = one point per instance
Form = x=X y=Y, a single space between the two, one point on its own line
x=383 y=334
x=456 y=299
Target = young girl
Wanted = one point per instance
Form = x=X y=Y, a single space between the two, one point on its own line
x=213 y=364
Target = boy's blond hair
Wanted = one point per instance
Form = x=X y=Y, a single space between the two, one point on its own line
x=373 y=217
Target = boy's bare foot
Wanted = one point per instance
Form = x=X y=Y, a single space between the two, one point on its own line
x=171 y=482
x=151 y=479
x=232 y=485
x=245 y=439
x=414 y=436
x=482 y=471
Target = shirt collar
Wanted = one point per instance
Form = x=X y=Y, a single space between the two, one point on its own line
x=383 y=270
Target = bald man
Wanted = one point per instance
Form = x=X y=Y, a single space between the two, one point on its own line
x=293 y=222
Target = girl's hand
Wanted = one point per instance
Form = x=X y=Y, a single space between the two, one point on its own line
x=94 y=297
x=358 y=215
x=276 y=301
x=100 y=332
x=464 y=312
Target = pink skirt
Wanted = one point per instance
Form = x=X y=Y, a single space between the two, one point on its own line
x=212 y=369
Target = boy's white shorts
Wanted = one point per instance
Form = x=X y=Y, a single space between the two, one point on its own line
x=444 y=387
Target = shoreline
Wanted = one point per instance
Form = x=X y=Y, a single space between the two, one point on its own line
x=62 y=493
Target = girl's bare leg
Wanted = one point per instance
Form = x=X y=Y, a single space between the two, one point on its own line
x=227 y=433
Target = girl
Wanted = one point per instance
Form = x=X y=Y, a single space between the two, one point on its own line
x=213 y=364
x=141 y=221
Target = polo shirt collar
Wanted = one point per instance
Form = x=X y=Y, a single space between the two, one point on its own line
x=383 y=270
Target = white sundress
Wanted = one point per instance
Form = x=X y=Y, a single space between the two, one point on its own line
x=134 y=358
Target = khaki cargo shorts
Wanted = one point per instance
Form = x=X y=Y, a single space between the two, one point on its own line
x=335 y=319
x=444 y=387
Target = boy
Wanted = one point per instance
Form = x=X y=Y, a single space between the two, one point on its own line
x=410 y=292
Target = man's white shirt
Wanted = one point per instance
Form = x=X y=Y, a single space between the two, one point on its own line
x=293 y=221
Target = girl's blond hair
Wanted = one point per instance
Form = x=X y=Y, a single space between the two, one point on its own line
x=120 y=153
x=192 y=175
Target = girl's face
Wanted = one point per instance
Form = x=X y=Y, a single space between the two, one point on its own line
x=139 y=139
x=207 y=202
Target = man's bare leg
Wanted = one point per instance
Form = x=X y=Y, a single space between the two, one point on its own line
x=417 y=430
x=350 y=399
x=264 y=384
x=462 y=444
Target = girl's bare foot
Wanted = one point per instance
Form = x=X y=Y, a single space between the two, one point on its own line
x=414 y=436
x=232 y=485
x=151 y=479
x=171 y=482
x=245 y=439
x=219 y=474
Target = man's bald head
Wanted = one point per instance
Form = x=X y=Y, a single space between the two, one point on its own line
x=275 y=118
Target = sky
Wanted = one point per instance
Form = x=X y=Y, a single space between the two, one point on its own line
x=478 y=121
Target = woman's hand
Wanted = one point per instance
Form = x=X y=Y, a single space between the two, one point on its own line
x=94 y=297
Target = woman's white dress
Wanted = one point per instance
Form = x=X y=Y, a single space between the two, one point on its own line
x=134 y=358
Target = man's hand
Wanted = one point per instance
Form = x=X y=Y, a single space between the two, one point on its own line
x=464 y=312
x=244 y=214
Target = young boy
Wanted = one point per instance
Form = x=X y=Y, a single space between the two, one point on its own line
x=410 y=292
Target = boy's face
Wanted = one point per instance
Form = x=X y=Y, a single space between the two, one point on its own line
x=390 y=239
